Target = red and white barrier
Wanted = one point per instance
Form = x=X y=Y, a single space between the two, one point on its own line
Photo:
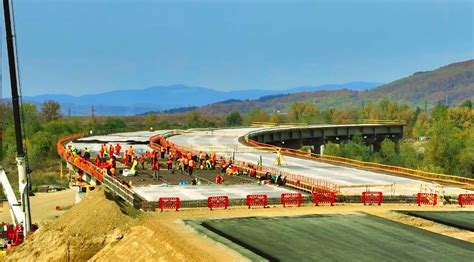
x=426 y=199
x=291 y=199
x=372 y=198
x=257 y=200
x=218 y=202
x=466 y=199
x=324 y=198
x=169 y=203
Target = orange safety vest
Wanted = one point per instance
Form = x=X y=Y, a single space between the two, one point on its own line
x=118 y=148
x=130 y=151
x=202 y=156
x=190 y=155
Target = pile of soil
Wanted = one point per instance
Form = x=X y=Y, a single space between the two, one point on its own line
x=97 y=230
x=78 y=234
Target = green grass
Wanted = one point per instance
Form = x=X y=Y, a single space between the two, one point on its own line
x=352 y=237
x=459 y=219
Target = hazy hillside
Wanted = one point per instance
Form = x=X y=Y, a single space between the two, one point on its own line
x=456 y=81
x=161 y=98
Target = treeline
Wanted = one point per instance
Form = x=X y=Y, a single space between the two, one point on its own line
x=438 y=140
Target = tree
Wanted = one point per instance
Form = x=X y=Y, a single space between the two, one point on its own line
x=113 y=124
x=150 y=120
x=50 y=110
x=258 y=115
x=234 y=119
x=388 y=152
x=193 y=119
x=300 y=111
x=467 y=103
x=356 y=149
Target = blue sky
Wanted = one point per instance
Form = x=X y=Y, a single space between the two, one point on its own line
x=84 y=46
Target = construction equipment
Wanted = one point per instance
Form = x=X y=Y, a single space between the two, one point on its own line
x=20 y=212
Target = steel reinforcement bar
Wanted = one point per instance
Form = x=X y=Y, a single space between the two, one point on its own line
x=464 y=181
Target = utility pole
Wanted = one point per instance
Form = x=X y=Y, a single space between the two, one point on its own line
x=93 y=112
x=23 y=178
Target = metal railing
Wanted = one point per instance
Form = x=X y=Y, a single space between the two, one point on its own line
x=370 y=165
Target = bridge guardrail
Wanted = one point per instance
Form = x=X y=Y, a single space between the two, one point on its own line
x=370 y=165
x=112 y=183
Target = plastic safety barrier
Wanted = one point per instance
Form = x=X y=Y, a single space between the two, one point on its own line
x=426 y=199
x=217 y=201
x=466 y=199
x=169 y=203
x=372 y=198
x=291 y=199
x=324 y=198
x=257 y=200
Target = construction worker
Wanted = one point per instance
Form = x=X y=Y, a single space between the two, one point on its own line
x=117 y=149
x=111 y=150
x=155 y=168
x=133 y=170
x=208 y=164
x=190 y=166
x=279 y=158
x=185 y=163
x=142 y=161
x=130 y=154
x=202 y=158
x=219 y=179
x=106 y=154
x=180 y=164
x=213 y=159
x=87 y=154
x=162 y=151
x=169 y=162
x=125 y=158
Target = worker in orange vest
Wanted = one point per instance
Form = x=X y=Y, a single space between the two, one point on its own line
x=130 y=154
x=185 y=162
x=111 y=150
x=202 y=158
x=213 y=159
x=117 y=149
x=125 y=158
x=142 y=161
x=162 y=151
x=190 y=166
x=190 y=155
x=219 y=179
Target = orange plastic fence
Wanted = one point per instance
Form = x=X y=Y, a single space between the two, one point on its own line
x=77 y=161
x=369 y=165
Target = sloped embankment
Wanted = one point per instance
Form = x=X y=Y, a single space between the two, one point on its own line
x=78 y=234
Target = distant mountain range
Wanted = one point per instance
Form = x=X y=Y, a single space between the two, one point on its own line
x=450 y=84
x=162 y=98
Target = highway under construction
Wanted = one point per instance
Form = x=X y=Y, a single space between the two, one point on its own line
x=305 y=174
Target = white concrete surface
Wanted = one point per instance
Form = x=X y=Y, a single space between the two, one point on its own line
x=93 y=143
x=202 y=192
x=226 y=141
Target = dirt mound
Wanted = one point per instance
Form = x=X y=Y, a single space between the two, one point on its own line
x=155 y=239
x=78 y=234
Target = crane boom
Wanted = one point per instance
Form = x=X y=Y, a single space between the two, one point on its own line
x=23 y=180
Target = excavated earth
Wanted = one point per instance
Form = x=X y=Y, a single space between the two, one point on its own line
x=100 y=229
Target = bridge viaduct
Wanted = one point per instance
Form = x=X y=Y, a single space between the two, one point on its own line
x=318 y=135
